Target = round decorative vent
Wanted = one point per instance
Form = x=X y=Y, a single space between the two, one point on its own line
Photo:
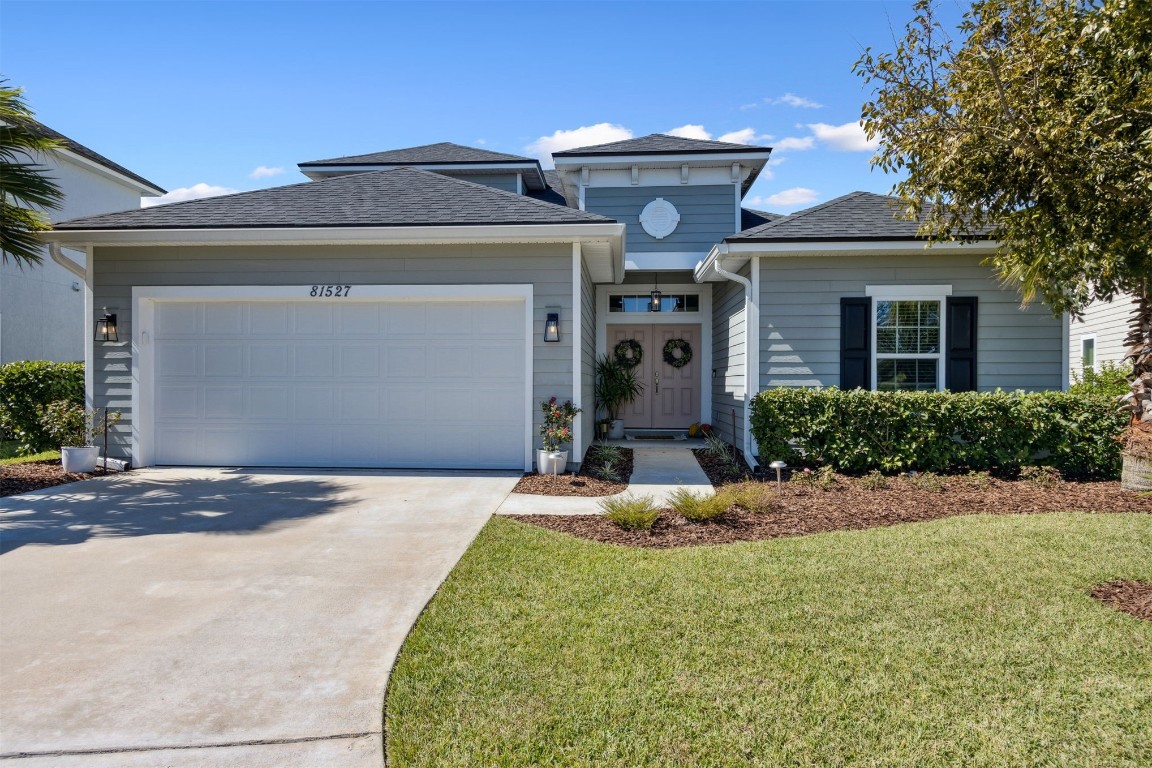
x=659 y=218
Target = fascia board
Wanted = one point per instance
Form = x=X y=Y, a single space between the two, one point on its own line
x=527 y=233
x=91 y=165
x=702 y=158
x=858 y=248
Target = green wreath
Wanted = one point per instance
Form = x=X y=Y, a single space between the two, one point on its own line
x=629 y=353
x=677 y=345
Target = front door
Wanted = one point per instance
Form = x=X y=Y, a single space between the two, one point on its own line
x=671 y=397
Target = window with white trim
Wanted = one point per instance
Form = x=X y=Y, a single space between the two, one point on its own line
x=908 y=337
x=1088 y=353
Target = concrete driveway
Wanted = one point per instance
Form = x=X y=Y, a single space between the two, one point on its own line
x=180 y=617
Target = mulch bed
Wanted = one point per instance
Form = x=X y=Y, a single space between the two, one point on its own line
x=1134 y=597
x=34 y=475
x=799 y=511
x=584 y=483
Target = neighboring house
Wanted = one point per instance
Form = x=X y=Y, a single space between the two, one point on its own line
x=42 y=307
x=394 y=312
x=1098 y=336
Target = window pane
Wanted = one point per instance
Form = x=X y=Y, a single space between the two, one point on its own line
x=615 y=303
x=907 y=313
x=907 y=375
x=929 y=340
x=907 y=341
x=1087 y=353
x=884 y=314
x=885 y=340
x=641 y=302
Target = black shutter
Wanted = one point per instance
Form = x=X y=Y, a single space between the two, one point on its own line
x=960 y=357
x=856 y=342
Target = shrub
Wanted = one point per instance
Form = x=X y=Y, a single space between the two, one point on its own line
x=752 y=496
x=981 y=480
x=859 y=431
x=630 y=512
x=874 y=481
x=606 y=452
x=1110 y=381
x=607 y=471
x=1041 y=477
x=926 y=481
x=70 y=425
x=28 y=386
x=699 y=507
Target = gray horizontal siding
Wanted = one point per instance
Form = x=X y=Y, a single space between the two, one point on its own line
x=1108 y=320
x=800 y=318
x=587 y=359
x=728 y=357
x=707 y=214
x=548 y=268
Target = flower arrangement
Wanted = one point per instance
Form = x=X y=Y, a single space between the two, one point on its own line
x=557 y=427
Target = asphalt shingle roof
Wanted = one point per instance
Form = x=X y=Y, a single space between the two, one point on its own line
x=390 y=198
x=855 y=216
x=88 y=154
x=444 y=153
x=750 y=218
x=660 y=144
x=553 y=192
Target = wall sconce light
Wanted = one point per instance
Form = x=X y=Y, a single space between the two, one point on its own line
x=552 y=327
x=106 y=327
x=654 y=305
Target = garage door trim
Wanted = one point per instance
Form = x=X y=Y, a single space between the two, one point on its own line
x=144 y=299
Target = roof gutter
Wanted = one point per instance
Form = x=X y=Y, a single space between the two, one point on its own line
x=751 y=338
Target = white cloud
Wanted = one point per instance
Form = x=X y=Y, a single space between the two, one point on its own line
x=844 y=138
x=690 y=131
x=584 y=136
x=794 y=142
x=793 y=100
x=742 y=136
x=263 y=172
x=194 y=192
x=791 y=198
x=746 y=107
x=481 y=142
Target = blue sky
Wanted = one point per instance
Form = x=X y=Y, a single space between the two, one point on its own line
x=209 y=93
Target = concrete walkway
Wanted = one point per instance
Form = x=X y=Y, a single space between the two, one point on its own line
x=658 y=469
x=191 y=617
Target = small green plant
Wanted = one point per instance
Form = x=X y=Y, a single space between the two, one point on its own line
x=715 y=445
x=632 y=513
x=1111 y=381
x=606 y=452
x=1041 y=477
x=72 y=426
x=607 y=471
x=805 y=478
x=981 y=480
x=874 y=481
x=752 y=496
x=699 y=507
x=926 y=481
x=826 y=478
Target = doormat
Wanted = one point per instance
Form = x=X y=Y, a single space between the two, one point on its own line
x=655 y=437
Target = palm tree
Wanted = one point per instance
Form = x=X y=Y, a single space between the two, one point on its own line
x=25 y=190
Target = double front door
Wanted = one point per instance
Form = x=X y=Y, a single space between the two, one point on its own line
x=671 y=397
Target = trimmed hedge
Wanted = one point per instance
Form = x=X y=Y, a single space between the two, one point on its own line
x=27 y=386
x=859 y=431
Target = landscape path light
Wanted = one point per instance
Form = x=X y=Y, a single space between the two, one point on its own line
x=778 y=465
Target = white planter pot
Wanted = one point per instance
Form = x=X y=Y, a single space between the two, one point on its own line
x=616 y=431
x=79 y=459
x=551 y=462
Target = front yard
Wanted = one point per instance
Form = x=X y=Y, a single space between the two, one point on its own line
x=963 y=641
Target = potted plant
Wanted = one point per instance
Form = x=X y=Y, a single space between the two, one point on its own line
x=556 y=431
x=616 y=386
x=75 y=430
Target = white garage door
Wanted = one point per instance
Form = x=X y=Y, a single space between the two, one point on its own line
x=340 y=383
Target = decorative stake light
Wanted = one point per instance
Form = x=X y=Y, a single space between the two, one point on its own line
x=552 y=327
x=778 y=465
x=654 y=305
x=106 y=327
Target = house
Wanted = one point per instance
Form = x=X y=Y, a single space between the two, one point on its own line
x=1098 y=336
x=42 y=307
x=411 y=308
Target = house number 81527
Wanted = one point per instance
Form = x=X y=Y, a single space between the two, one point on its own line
x=330 y=290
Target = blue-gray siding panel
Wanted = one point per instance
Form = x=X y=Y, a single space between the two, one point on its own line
x=707 y=214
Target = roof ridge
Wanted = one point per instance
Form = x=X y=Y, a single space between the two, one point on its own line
x=495 y=156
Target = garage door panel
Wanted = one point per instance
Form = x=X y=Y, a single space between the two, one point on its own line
x=369 y=384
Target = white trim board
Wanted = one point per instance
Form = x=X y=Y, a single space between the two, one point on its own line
x=144 y=299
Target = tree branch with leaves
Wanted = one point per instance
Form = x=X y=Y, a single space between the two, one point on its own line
x=26 y=191
x=1033 y=128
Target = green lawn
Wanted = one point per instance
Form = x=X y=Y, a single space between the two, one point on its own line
x=963 y=642
x=8 y=454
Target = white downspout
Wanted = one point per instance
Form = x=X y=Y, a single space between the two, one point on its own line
x=751 y=345
x=59 y=257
